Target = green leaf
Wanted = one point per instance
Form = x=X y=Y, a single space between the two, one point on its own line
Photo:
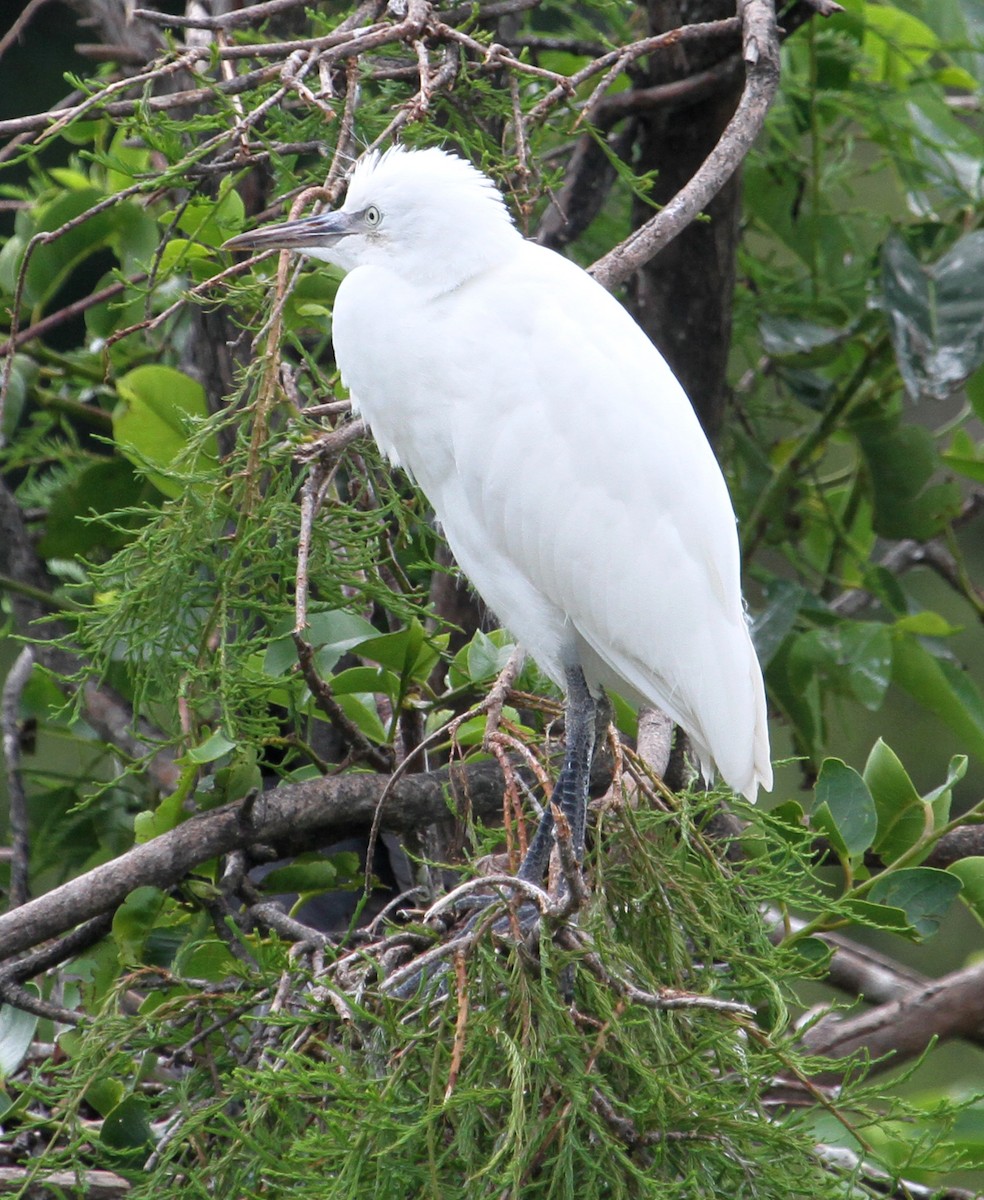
x=52 y=262
x=813 y=953
x=333 y=632
x=314 y=873
x=406 y=652
x=902 y=816
x=481 y=659
x=939 y=798
x=926 y=624
x=213 y=221
x=209 y=958
x=965 y=457
x=168 y=815
x=214 y=747
x=773 y=625
x=896 y=44
x=879 y=916
x=361 y=711
x=104 y=1094
x=74 y=527
x=923 y=893
x=366 y=679
x=975 y=393
x=902 y=462
x=151 y=423
x=134 y=921
x=844 y=807
x=936 y=314
x=942 y=687
x=127 y=1127
x=970 y=872
x=17 y=1029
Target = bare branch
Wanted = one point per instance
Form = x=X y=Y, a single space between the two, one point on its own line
x=314 y=812
x=942 y=1008
x=760 y=40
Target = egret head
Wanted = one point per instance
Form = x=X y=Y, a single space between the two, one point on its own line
x=426 y=215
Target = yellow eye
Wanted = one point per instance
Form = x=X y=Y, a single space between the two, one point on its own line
x=372 y=216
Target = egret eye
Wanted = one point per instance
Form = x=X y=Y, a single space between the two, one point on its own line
x=372 y=216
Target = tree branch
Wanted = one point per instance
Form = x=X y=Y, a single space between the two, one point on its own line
x=290 y=815
x=760 y=41
x=902 y=1029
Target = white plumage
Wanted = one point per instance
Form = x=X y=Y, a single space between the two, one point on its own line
x=564 y=461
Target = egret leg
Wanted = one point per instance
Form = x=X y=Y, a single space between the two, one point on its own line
x=570 y=792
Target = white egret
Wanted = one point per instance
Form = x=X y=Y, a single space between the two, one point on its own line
x=562 y=458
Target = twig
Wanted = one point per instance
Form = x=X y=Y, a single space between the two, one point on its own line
x=94 y=1184
x=253 y=14
x=13 y=689
x=666 y=998
x=69 y=312
x=14 y=973
x=360 y=747
x=20 y=24
x=615 y=61
x=460 y=1024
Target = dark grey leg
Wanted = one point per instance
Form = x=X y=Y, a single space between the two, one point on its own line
x=571 y=789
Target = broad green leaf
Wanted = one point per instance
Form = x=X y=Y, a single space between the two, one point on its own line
x=185 y=256
x=936 y=313
x=813 y=952
x=209 y=958
x=879 y=916
x=902 y=461
x=52 y=262
x=971 y=466
x=151 y=422
x=215 y=746
x=166 y=816
x=923 y=893
x=17 y=1029
x=73 y=527
x=926 y=624
x=970 y=872
x=939 y=798
x=366 y=679
x=127 y=1127
x=407 y=651
x=302 y=877
x=213 y=221
x=361 y=711
x=481 y=659
x=772 y=626
x=134 y=921
x=124 y=160
x=896 y=43
x=943 y=688
x=864 y=649
x=333 y=632
x=945 y=164
x=104 y=1094
x=23 y=376
x=902 y=816
x=975 y=392
x=844 y=807
x=789 y=336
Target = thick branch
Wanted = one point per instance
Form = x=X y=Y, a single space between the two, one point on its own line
x=948 y=1007
x=289 y=816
